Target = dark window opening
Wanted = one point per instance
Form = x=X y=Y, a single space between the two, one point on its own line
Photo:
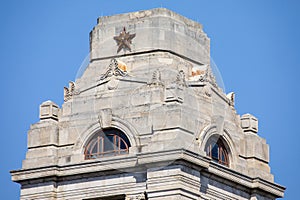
x=107 y=142
x=216 y=150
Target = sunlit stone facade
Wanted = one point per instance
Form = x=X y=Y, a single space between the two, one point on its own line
x=147 y=119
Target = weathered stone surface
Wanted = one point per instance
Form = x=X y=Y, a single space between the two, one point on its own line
x=150 y=36
x=249 y=123
x=162 y=95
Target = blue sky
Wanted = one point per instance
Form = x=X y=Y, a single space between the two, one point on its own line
x=255 y=45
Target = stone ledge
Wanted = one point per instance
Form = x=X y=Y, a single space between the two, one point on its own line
x=252 y=183
x=146 y=160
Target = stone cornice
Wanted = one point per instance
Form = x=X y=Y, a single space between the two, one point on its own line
x=246 y=181
x=141 y=162
x=148 y=52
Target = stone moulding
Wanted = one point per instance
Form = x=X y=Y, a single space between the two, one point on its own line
x=145 y=53
x=124 y=79
x=182 y=156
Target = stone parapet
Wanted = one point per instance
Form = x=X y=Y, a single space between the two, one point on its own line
x=155 y=30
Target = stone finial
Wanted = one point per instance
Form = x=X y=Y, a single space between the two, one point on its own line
x=69 y=92
x=156 y=78
x=49 y=110
x=231 y=97
x=249 y=123
x=208 y=76
x=180 y=79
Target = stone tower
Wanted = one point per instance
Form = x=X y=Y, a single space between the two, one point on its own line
x=146 y=120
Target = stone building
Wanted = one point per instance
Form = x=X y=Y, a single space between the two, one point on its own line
x=146 y=120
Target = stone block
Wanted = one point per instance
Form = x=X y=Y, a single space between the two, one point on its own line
x=43 y=134
x=105 y=118
x=49 y=110
x=256 y=147
x=249 y=123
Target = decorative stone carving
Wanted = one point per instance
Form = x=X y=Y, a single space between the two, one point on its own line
x=174 y=92
x=49 y=110
x=122 y=66
x=203 y=77
x=249 y=123
x=207 y=90
x=124 y=40
x=115 y=68
x=156 y=78
x=209 y=77
x=231 y=97
x=69 y=92
x=197 y=72
x=180 y=79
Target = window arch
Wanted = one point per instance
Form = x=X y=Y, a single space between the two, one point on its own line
x=107 y=142
x=217 y=151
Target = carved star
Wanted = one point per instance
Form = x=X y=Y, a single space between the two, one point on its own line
x=124 y=40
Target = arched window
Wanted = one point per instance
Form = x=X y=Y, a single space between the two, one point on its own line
x=107 y=142
x=217 y=151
